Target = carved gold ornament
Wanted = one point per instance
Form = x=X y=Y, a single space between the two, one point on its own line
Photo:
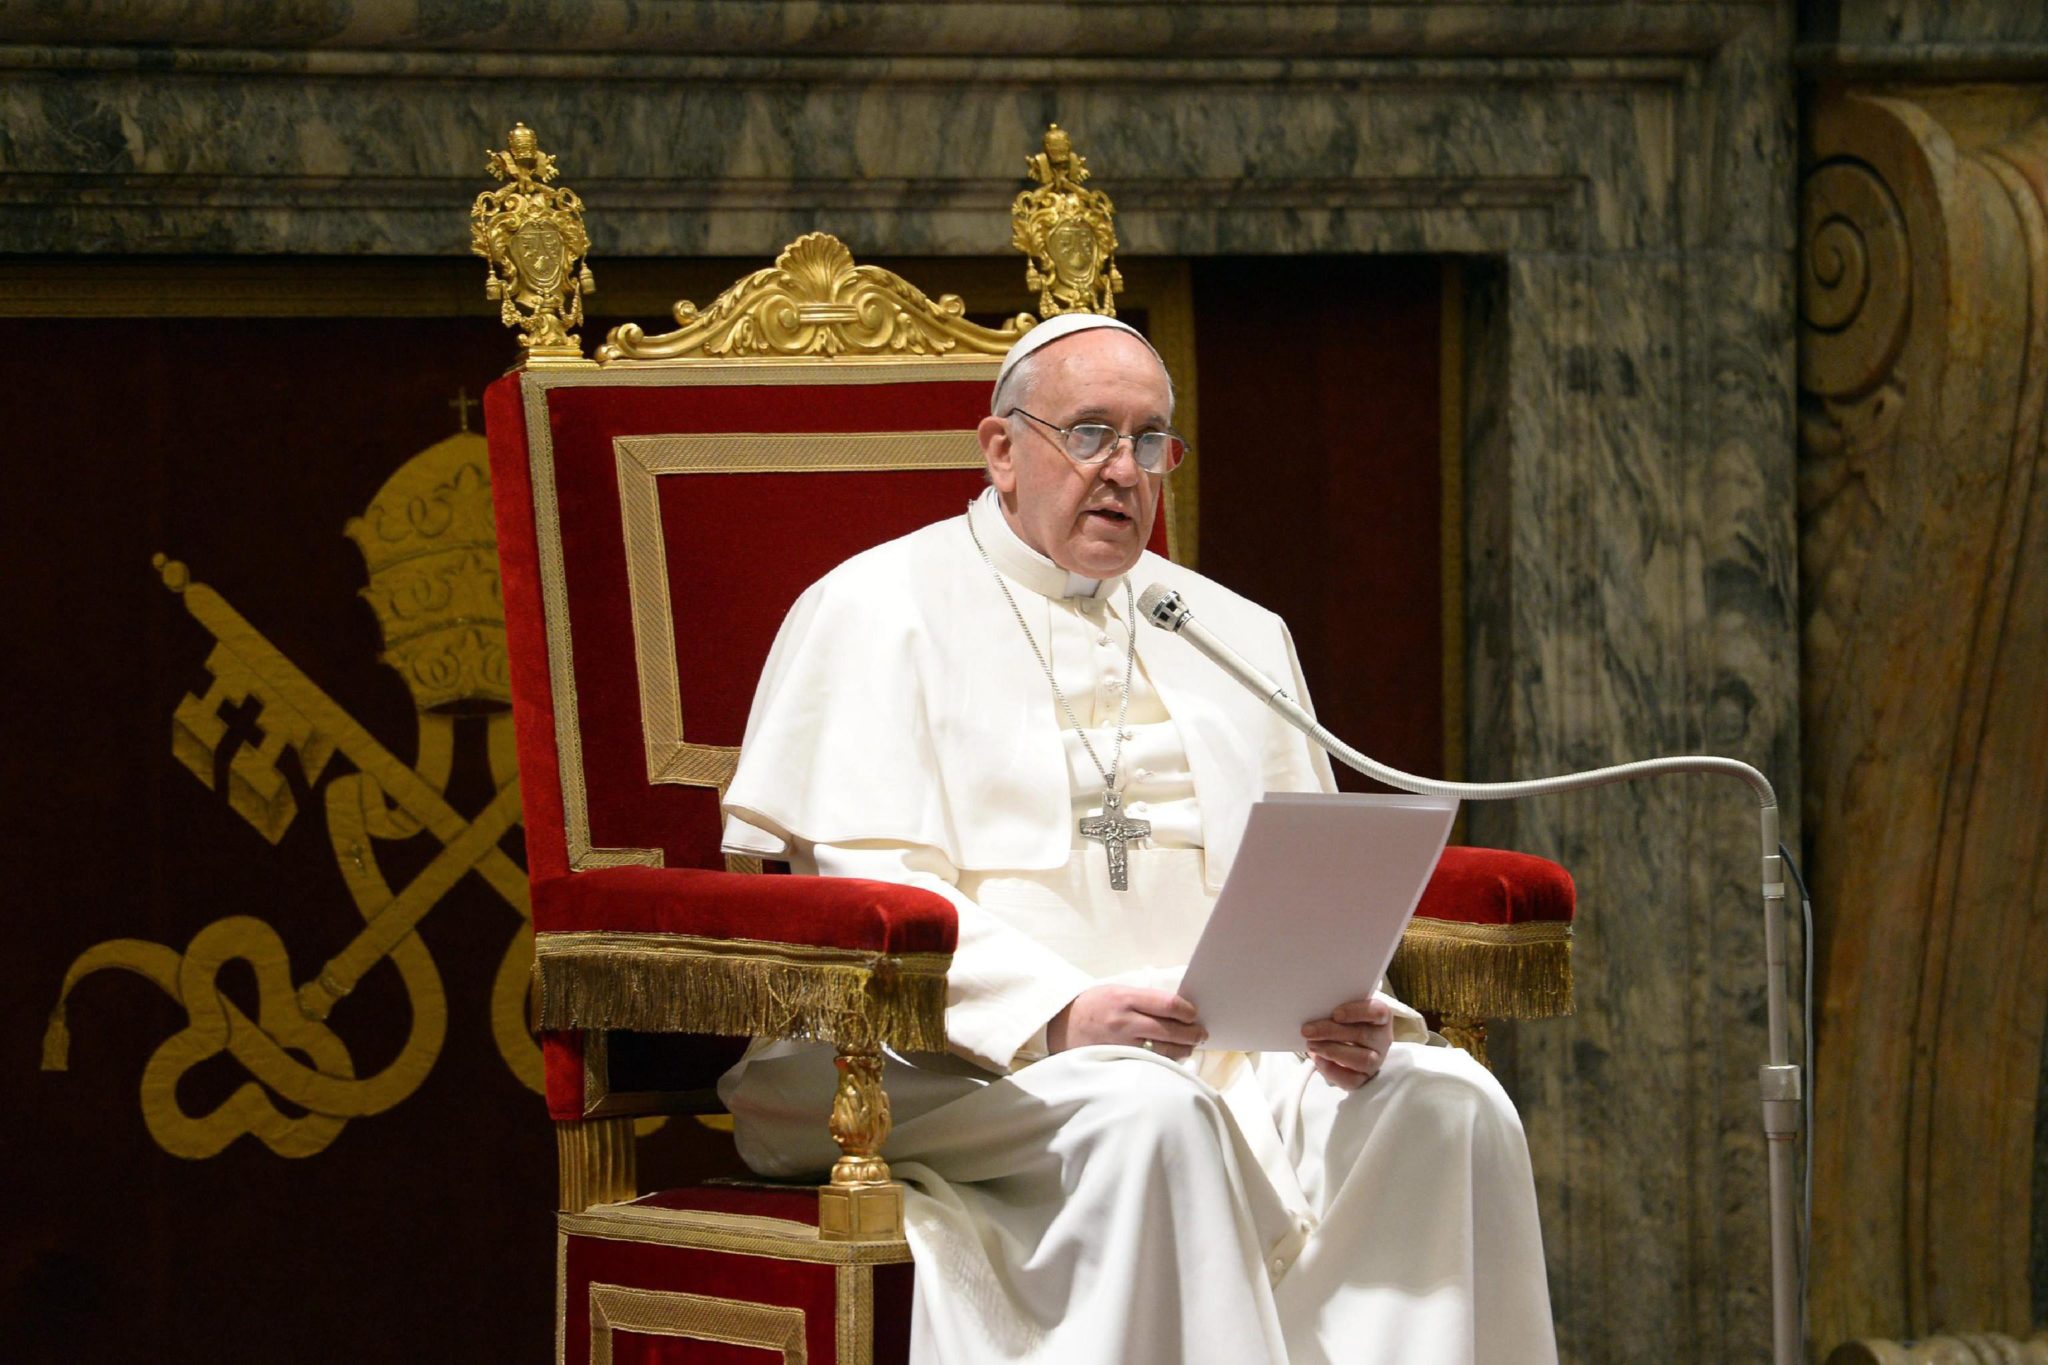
x=428 y=545
x=861 y=1202
x=815 y=301
x=530 y=233
x=1067 y=233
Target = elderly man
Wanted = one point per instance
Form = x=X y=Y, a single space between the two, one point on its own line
x=1085 y=1181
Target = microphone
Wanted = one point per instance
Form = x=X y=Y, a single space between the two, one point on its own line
x=1163 y=608
x=1779 y=1079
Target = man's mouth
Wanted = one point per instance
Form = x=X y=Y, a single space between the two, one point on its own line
x=1109 y=514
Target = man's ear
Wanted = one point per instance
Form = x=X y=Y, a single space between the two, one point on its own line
x=997 y=449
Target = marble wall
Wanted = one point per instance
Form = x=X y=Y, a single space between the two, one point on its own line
x=1618 y=175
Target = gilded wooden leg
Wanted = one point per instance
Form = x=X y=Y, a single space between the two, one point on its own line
x=861 y=1204
x=1467 y=1033
x=595 y=1159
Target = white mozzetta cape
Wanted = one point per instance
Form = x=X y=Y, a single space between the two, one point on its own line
x=901 y=703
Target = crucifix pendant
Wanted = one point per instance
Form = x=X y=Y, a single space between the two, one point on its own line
x=1113 y=829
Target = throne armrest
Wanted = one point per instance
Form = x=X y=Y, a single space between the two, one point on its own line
x=1491 y=939
x=858 y=964
x=684 y=950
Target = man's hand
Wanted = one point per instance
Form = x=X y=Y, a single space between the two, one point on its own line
x=1351 y=1045
x=1130 y=1015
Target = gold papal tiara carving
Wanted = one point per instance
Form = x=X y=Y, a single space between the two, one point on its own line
x=531 y=234
x=430 y=545
x=1068 y=233
x=815 y=301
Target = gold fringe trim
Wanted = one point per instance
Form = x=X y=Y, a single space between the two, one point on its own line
x=674 y=983
x=1485 y=971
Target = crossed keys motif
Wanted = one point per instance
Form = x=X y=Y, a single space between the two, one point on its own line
x=447 y=650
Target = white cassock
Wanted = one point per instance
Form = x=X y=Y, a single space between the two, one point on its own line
x=1106 y=1204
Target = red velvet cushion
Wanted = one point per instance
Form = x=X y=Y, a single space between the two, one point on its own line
x=826 y=912
x=1494 y=886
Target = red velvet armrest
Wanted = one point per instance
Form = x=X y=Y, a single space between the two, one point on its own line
x=1491 y=938
x=818 y=912
x=683 y=950
x=1495 y=886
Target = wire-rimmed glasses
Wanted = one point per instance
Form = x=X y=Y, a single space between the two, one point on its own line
x=1157 y=452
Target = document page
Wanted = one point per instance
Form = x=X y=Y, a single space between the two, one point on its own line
x=1312 y=911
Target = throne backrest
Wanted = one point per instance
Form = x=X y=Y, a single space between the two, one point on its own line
x=658 y=517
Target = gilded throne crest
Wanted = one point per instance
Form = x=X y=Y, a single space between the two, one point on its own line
x=1067 y=233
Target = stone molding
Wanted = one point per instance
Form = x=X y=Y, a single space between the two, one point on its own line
x=353 y=152
x=1046 y=30
x=1923 y=61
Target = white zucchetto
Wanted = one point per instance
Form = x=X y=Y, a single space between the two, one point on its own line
x=1054 y=329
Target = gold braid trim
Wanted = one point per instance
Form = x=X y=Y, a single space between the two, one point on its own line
x=1485 y=971
x=778 y=1239
x=676 y=983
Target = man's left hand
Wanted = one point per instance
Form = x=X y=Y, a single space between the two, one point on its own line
x=1350 y=1046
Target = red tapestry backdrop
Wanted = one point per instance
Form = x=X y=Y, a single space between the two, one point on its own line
x=418 y=1224
x=1321 y=479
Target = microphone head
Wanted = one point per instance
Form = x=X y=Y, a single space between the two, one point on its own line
x=1162 y=606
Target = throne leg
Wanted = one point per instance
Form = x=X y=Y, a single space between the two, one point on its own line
x=1467 y=1033
x=596 y=1162
x=861 y=1203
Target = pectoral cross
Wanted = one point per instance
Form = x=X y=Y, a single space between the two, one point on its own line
x=1113 y=829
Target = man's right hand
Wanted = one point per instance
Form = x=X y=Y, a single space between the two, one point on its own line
x=1131 y=1016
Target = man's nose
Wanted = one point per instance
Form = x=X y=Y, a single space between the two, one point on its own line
x=1121 y=467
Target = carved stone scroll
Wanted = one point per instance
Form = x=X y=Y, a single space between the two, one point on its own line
x=1977 y=1348
x=1924 y=558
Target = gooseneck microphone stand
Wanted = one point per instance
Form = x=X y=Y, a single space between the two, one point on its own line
x=1778 y=1079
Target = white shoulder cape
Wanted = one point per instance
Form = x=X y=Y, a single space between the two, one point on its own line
x=901 y=703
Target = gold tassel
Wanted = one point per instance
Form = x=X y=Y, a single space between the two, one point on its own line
x=669 y=983
x=1485 y=971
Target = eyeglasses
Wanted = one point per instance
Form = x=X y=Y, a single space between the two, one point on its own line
x=1157 y=452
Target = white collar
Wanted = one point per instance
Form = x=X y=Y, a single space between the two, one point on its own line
x=1019 y=562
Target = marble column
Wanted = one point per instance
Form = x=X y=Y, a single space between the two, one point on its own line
x=1924 y=549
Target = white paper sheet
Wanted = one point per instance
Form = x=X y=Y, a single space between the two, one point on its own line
x=1312 y=911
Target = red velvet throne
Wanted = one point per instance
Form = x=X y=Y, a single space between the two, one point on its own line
x=659 y=508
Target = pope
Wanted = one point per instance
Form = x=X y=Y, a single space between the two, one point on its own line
x=967 y=709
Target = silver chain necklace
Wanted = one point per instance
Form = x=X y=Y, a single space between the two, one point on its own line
x=1112 y=829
